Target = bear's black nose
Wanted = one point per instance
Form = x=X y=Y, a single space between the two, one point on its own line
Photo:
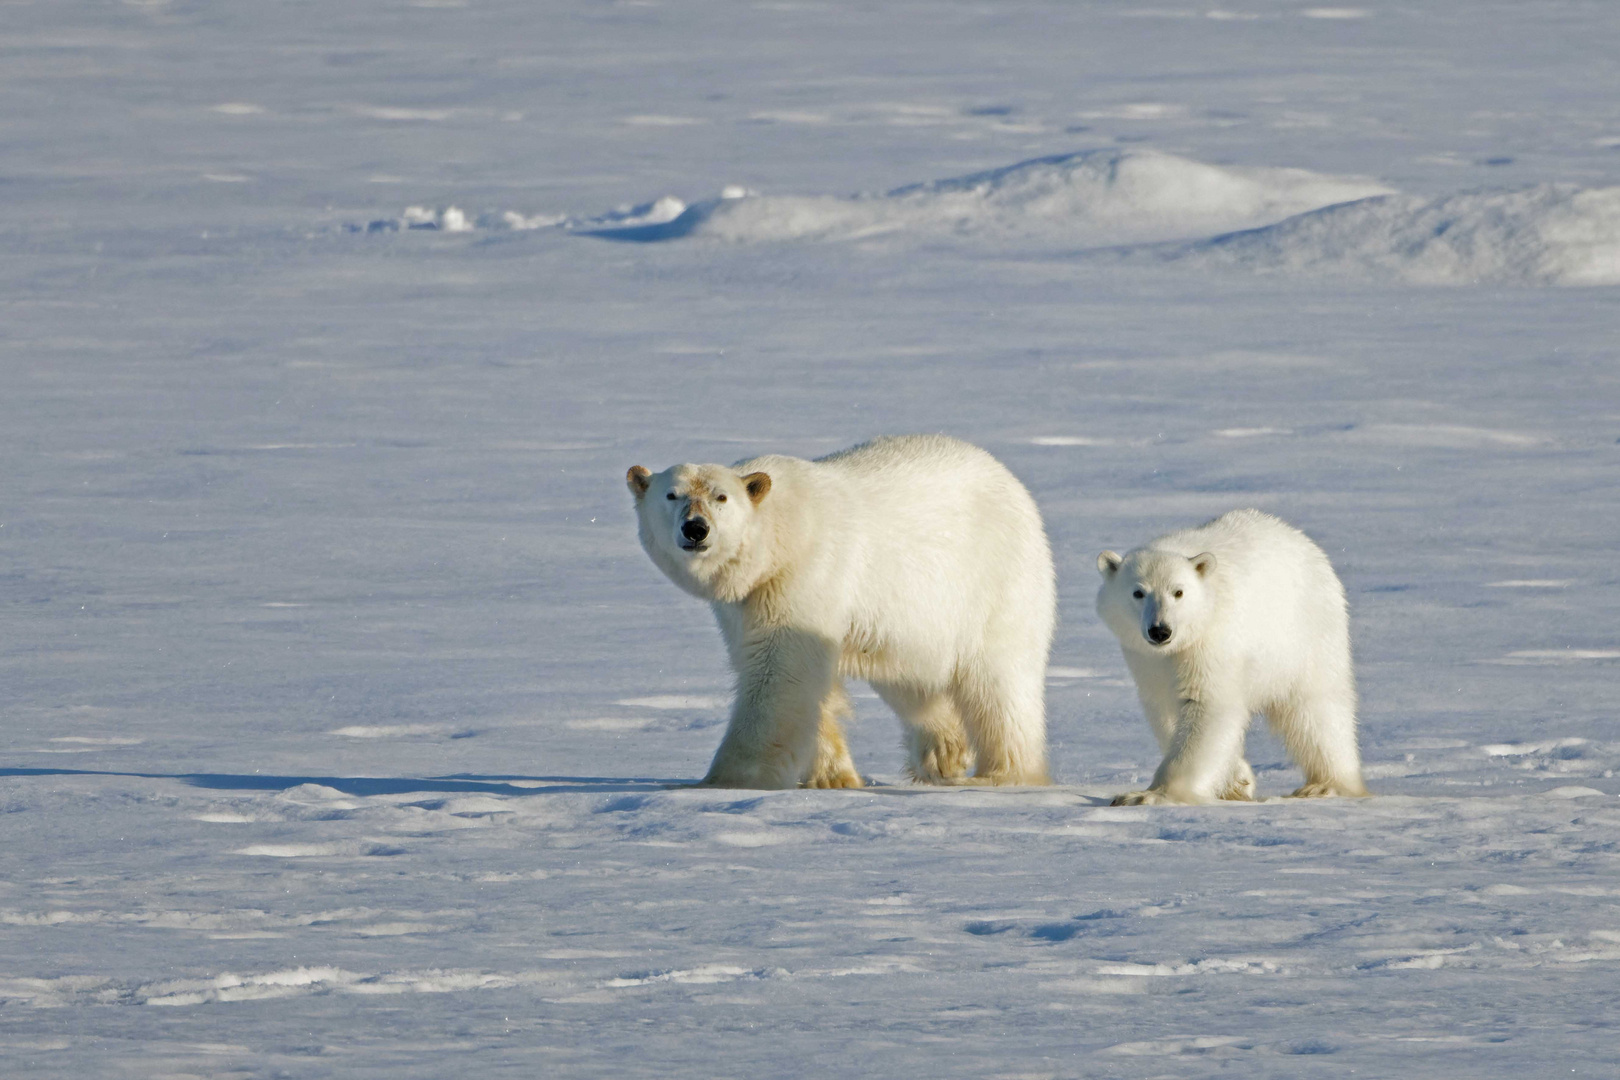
x=1158 y=633
x=695 y=529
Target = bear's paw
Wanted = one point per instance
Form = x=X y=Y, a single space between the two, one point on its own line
x=841 y=778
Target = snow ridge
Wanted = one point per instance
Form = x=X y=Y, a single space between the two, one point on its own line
x=1093 y=198
x=1552 y=234
x=1260 y=219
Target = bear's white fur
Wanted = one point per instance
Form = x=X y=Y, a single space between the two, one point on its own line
x=917 y=563
x=1239 y=616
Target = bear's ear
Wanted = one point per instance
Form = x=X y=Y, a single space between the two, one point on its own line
x=638 y=479
x=758 y=484
x=1204 y=563
x=1108 y=562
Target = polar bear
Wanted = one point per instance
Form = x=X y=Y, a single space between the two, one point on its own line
x=917 y=563
x=1238 y=616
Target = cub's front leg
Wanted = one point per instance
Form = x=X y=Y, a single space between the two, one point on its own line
x=783 y=677
x=1204 y=761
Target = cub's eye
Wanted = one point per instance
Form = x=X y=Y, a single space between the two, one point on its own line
x=1138 y=594
x=720 y=498
x=670 y=496
x=1178 y=594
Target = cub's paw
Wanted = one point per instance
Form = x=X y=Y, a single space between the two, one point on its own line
x=1241 y=787
x=1141 y=798
x=1326 y=789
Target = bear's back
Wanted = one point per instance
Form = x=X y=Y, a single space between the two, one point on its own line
x=913 y=455
x=932 y=486
x=924 y=537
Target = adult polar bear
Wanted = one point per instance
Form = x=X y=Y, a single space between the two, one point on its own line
x=916 y=562
x=1238 y=616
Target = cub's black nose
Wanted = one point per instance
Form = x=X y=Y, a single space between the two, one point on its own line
x=1158 y=634
x=695 y=529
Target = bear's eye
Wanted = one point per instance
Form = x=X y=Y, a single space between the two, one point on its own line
x=1138 y=594
x=1178 y=594
x=720 y=498
x=670 y=496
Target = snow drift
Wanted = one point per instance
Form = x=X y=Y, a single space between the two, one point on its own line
x=1160 y=207
x=1095 y=198
x=1554 y=234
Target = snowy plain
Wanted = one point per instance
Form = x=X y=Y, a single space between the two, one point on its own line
x=341 y=704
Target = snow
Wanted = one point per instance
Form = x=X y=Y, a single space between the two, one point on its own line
x=343 y=709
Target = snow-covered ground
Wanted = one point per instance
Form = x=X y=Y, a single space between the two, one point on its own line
x=341 y=704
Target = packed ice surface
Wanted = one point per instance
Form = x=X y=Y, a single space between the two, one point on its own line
x=341 y=701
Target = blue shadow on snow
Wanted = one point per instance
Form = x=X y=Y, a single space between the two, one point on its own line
x=388 y=785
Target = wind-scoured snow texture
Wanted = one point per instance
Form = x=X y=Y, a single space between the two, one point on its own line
x=1552 y=234
x=1088 y=199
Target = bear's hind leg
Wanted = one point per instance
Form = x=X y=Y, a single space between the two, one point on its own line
x=833 y=767
x=1005 y=717
x=1320 y=734
x=935 y=743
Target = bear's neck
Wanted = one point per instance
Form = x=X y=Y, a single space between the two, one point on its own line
x=758 y=575
x=739 y=578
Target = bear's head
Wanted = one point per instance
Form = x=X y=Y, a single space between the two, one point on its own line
x=696 y=520
x=1154 y=601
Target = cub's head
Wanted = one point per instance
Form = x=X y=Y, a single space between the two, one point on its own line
x=696 y=519
x=1154 y=601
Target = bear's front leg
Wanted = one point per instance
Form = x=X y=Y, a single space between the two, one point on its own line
x=784 y=677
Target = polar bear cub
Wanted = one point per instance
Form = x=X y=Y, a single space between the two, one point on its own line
x=1238 y=616
x=917 y=563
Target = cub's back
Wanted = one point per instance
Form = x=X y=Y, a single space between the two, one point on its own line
x=1251 y=543
x=1274 y=581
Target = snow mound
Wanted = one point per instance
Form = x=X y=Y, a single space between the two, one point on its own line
x=1095 y=198
x=1554 y=234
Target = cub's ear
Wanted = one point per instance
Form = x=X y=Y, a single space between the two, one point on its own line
x=758 y=484
x=1204 y=563
x=638 y=479
x=1108 y=562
